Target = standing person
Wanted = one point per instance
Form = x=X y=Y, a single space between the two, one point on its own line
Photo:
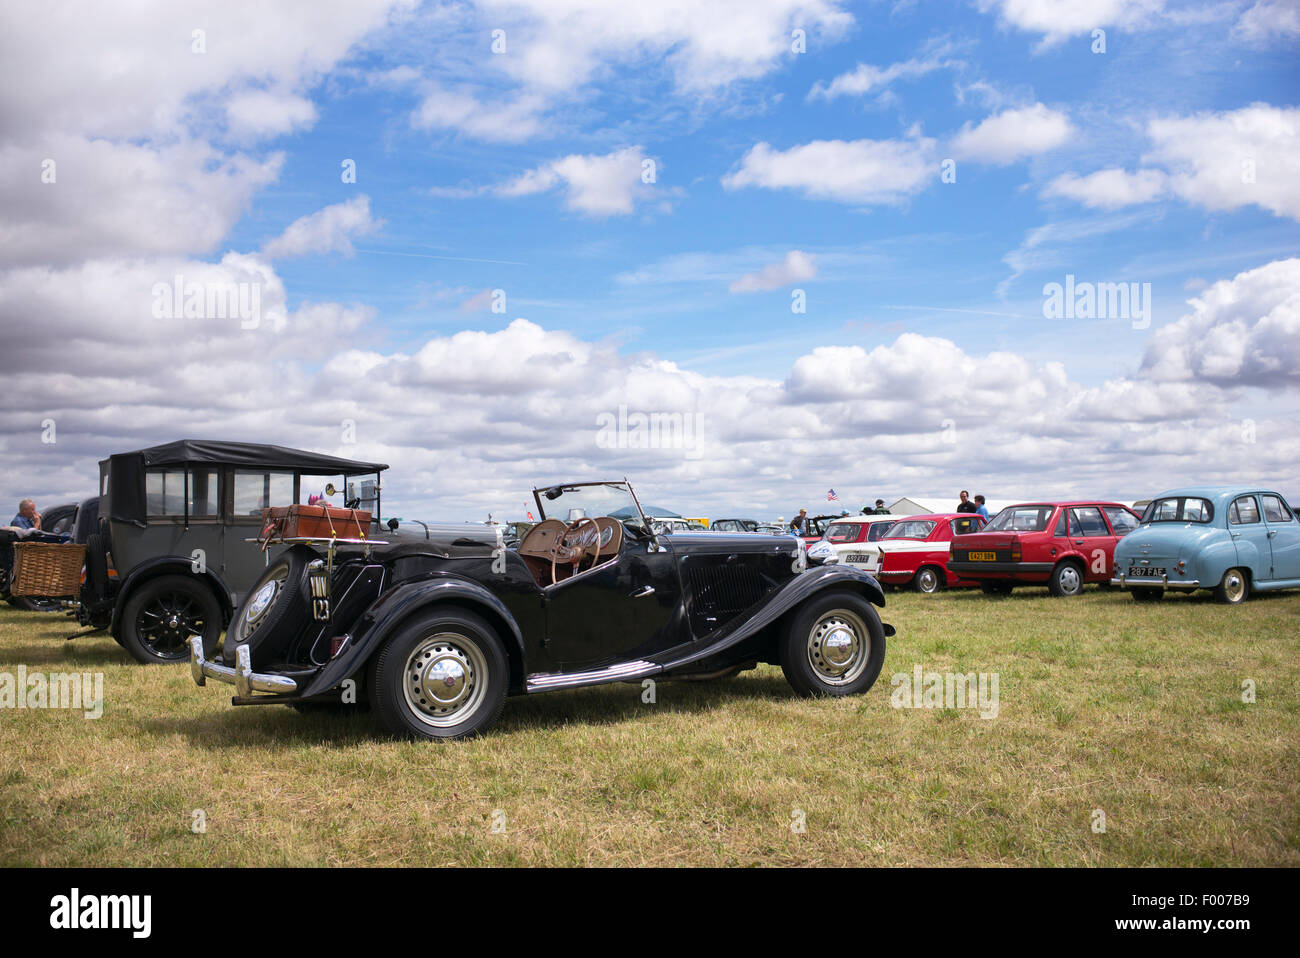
x=880 y=508
x=28 y=517
x=799 y=524
x=979 y=507
x=965 y=505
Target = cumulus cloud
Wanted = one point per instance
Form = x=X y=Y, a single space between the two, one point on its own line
x=1013 y=135
x=262 y=113
x=328 y=230
x=1110 y=189
x=868 y=172
x=1058 y=20
x=599 y=186
x=1268 y=21
x=796 y=267
x=1243 y=331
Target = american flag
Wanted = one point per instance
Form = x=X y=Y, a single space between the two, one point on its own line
x=530 y=517
x=831 y=497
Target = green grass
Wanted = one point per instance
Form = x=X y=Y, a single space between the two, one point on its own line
x=1104 y=704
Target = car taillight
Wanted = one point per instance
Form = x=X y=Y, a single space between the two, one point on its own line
x=1015 y=550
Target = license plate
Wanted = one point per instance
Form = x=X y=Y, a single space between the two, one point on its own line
x=981 y=557
x=1145 y=572
x=859 y=557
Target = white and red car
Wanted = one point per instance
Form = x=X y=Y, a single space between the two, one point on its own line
x=915 y=550
x=845 y=540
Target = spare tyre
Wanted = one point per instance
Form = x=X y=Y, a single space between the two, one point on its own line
x=276 y=599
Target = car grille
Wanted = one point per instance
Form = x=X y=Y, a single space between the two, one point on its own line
x=721 y=592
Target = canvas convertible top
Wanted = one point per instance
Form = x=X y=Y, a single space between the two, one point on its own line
x=126 y=470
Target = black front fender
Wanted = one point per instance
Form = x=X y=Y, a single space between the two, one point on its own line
x=394 y=607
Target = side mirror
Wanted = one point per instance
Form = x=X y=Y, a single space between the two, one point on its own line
x=329 y=489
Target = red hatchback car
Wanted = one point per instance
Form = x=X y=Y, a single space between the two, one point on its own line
x=1058 y=544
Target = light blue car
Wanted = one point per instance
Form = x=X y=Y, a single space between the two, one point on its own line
x=1231 y=539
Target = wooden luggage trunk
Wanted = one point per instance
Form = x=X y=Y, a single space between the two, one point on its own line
x=313 y=522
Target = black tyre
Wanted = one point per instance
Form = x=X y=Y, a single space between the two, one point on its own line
x=1147 y=594
x=1233 y=588
x=834 y=644
x=444 y=675
x=1066 y=580
x=163 y=614
x=928 y=579
x=996 y=588
x=278 y=594
x=35 y=603
x=96 y=587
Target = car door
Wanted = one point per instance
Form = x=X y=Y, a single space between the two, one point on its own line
x=1092 y=538
x=1250 y=534
x=622 y=610
x=1284 y=536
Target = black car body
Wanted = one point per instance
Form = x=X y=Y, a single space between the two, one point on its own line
x=173 y=548
x=437 y=632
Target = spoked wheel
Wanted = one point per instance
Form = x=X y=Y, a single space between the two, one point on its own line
x=164 y=614
x=442 y=676
x=835 y=645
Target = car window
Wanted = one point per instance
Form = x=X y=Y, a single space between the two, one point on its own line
x=1178 y=509
x=1244 y=511
x=844 y=532
x=256 y=490
x=165 y=492
x=878 y=529
x=910 y=529
x=1087 y=521
x=1059 y=531
x=965 y=525
x=1021 y=519
x=1275 y=509
x=1121 y=520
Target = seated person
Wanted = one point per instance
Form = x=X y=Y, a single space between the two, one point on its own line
x=28 y=517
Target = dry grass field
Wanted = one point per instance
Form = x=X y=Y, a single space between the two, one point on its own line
x=1104 y=705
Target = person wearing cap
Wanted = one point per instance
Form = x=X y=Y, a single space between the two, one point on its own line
x=880 y=508
x=799 y=524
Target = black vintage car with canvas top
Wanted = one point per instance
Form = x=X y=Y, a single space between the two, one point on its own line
x=436 y=632
x=173 y=548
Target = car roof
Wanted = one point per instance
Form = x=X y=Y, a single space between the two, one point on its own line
x=867 y=518
x=936 y=516
x=247 y=454
x=1217 y=493
x=1068 y=503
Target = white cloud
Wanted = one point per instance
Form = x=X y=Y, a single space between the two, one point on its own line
x=796 y=267
x=1013 y=134
x=328 y=230
x=852 y=171
x=867 y=77
x=1243 y=331
x=1110 y=189
x=261 y=113
x=1057 y=20
x=1267 y=21
x=595 y=185
x=511 y=122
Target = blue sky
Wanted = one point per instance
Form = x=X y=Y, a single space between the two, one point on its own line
x=774 y=171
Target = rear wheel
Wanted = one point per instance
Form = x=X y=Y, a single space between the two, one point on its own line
x=928 y=579
x=442 y=676
x=162 y=616
x=1233 y=588
x=1066 y=580
x=833 y=645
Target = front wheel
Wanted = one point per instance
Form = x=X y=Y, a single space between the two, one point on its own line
x=442 y=676
x=162 y=616
x=1233 y=588
x=833 y=645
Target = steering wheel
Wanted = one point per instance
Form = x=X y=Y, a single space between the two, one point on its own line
x=569 y=548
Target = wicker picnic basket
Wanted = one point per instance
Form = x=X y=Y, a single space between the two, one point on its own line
x=50 y=569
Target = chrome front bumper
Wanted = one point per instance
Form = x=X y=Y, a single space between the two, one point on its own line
x=242 y=676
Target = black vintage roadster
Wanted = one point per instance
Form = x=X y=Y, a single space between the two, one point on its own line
x=435 y=632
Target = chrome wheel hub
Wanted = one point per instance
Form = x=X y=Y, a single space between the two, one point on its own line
x=444 y=679
x=1070 y=579
x=1234 y=585
x=838 y=647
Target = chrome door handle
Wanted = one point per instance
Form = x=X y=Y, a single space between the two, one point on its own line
x=1236 y=535
x=642 y=592
x=1272 y=533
